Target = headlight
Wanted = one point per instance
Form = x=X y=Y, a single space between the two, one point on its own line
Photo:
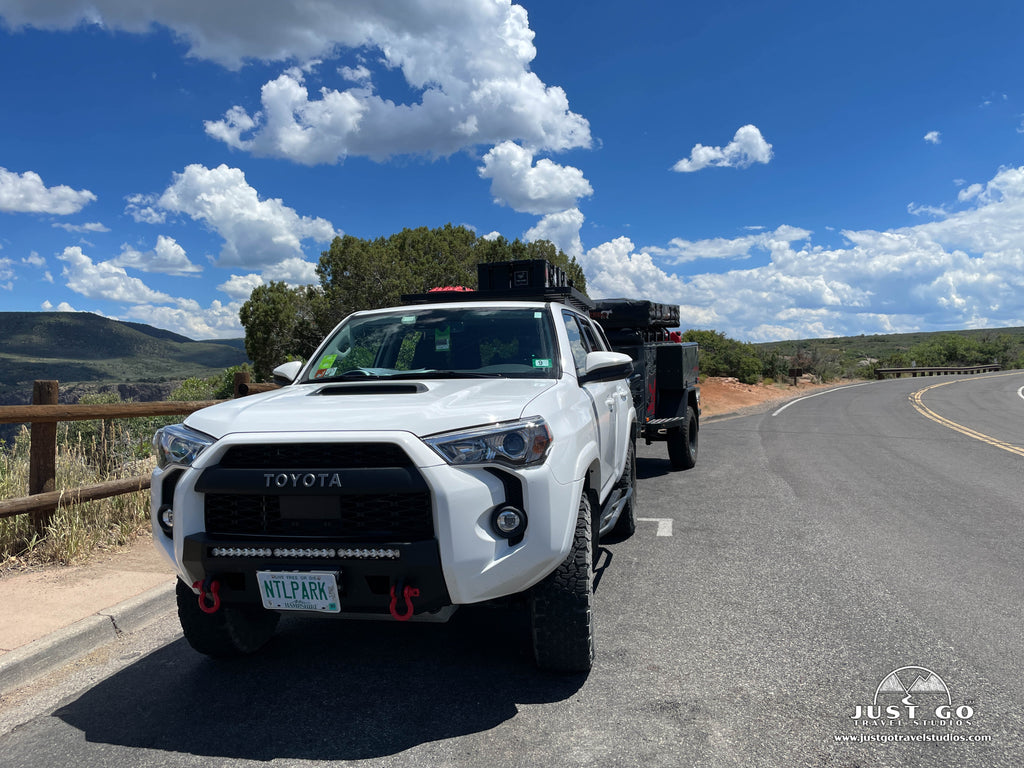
x=515 y=444
x=179 y=445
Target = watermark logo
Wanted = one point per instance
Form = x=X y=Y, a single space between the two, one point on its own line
x=914 y=696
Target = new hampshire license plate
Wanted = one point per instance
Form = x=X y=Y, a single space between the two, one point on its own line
x=299 y=591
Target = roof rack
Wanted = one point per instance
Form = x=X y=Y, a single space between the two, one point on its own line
x=529 y=280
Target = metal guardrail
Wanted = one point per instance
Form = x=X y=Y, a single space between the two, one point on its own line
x=881 y=373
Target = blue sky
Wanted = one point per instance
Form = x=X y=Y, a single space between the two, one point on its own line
x=779 y=170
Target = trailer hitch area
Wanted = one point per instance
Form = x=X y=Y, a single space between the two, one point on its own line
x=406 y=593
x=209 y=587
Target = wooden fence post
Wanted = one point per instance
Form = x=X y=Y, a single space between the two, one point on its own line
x=241 y=382
x=42 y=473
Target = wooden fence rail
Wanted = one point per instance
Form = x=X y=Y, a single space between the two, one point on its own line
x=42 y=417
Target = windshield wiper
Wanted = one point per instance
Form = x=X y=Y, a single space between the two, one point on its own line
x=354 y=374
x=446 y=374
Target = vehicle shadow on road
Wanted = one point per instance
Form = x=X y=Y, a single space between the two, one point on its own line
x=647 y=467
x=326 y=690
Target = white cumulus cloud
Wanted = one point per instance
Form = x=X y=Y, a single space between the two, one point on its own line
x=240 y=286
x=105 y=280
x=933 y=137
x=540 y=188
x=562 y=229
x=747 y=147
x=189 y=318
x=257 y=232
x=168 y=258
x=26 y=193
x=680 y=250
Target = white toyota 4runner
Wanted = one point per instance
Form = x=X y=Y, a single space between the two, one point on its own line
x=426 y=457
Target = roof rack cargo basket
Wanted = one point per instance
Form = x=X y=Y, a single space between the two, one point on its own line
x=635 y=313
x=530 y=280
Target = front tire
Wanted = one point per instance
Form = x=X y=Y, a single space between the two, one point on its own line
x=682 y=442
x=561 y=606
x=228 y=633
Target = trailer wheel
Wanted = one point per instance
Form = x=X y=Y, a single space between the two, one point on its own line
x=561 y=606
x=682 y=442
x=229 y=632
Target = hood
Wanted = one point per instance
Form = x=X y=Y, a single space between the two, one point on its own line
x=422 y=407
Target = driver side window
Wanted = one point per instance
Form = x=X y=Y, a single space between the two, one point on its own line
x=578 y=341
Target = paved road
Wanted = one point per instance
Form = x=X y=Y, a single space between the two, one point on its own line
x=820 y=557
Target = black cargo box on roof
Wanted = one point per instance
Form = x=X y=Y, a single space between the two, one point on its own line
x=527 y=273
x=635 y=313
x=525 y=280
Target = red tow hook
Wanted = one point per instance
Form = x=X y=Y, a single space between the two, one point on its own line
x=408 y=593
x=211 y=587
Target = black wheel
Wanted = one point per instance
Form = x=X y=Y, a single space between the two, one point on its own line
x=682 y=442
x=229 y=632
x=625 y=526
x=562 y=605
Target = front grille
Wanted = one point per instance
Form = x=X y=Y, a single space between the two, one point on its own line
x=372 y=518
x=240 y=502
x=315 y=456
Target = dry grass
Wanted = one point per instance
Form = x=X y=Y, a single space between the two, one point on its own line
x=78 y=531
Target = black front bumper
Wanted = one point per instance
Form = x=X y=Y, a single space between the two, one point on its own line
x=366 y=574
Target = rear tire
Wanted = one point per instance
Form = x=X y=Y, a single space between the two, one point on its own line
x=625 y=526
x=228 y=633
x=562 y=605
x=682 y=442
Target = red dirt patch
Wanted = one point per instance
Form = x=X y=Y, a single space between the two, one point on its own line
x=720 y=395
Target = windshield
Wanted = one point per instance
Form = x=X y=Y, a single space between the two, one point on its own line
x=459 y=342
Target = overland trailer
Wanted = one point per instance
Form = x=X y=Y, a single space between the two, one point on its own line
x=664 y=383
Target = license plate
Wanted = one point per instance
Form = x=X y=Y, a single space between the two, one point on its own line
x=299 y=591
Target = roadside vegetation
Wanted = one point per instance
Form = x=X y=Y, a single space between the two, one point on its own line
x=90 y=452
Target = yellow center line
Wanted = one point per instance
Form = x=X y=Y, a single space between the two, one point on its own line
x=928 y=413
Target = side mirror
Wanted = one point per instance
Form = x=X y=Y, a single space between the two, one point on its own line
x=285 y=373
x=606 y=366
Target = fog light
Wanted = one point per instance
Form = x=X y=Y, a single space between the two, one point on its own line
x=509 y=522
x=165 y=516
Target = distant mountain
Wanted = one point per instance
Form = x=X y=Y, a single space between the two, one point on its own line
x=79 y=347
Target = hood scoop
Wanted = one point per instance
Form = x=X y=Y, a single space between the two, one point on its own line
x=382 y=388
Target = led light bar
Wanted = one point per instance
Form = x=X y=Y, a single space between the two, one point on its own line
x=345 y=554
x=239 y=552
x=369 y=554
x=303 y=552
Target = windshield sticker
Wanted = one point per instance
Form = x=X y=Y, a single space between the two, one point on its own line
x=325 y=362
x=538 y=315
x=442 y=339
x=408 y=319
x=543 y=362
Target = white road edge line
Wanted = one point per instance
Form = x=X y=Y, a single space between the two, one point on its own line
x=664 y=524
x=817 y=394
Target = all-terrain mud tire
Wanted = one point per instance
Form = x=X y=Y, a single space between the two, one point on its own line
x=561 y=606
x=228 y=633
x=682 y=442
x=625 y=526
